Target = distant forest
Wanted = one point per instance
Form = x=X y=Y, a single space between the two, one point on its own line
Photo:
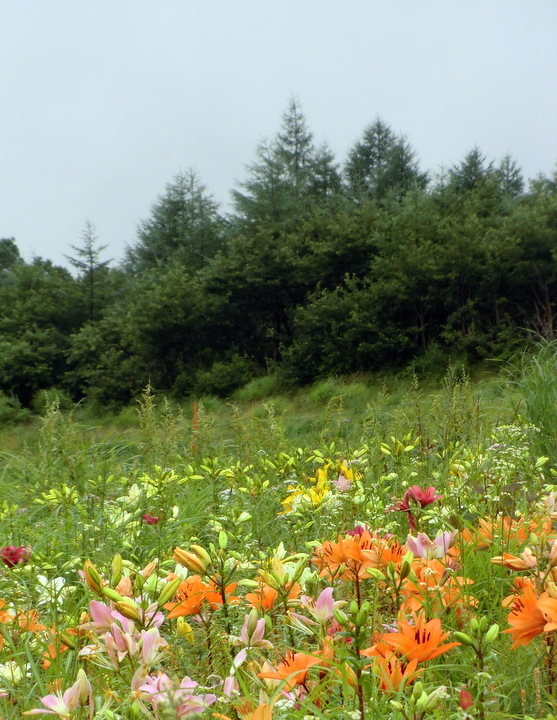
x=320 y=268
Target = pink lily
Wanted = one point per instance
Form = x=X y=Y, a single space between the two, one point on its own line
x=152 y=642
x=80 y=694
x=322 y=608
x=424 y=547
x=251 y=636
x=162 y=692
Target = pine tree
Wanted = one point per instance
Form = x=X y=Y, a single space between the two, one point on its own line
x=185 y=228
x=88 y=264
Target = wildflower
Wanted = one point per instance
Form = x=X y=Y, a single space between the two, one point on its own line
x=246 y=711
x=465 y=699
x=342 y=483
x=393 y=673
x=12 y=555
x=79 y=695
x=420 y=496
x=163 y=693
x=322 y=608
x=293 y=670
x=419 y=640
x=527 y=619
x=151 y=519
x=423 y=547
x=526 y=561
x=190 y=596
x=423 y=496
x=251 y=636
x=263 y=599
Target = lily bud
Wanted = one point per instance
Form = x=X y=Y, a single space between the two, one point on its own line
x=492 y=634
x=223 y=540
x=363 y=614
x=129 y=609
x=111 y=594
x=203 y=555
x=117 y=570
x=183 y=628
x=189 y=560
x=92 y=577
x=168 y=591
x=464 y=639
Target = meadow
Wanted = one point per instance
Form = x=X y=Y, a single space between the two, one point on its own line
x=354 y=551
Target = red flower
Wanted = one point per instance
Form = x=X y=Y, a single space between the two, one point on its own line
x=418 y=495
x=151 y=519
x=12 y=555
x=465 y=699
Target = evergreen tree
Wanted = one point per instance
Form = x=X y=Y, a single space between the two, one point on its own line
x=89 y=266
x=9 y=254
x=381 y=162
x=281 y=182
x=184 y=228
x=470 y=172
x=509 y=176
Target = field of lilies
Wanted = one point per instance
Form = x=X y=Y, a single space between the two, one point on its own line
x=406 y=570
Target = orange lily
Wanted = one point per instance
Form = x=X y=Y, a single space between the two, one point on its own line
x=392 y=672
x=527 y=619
x=246 y=712
x=263 y=598
x=293 y=670
x=421 y=640
x=190 y=596
x=213 y=595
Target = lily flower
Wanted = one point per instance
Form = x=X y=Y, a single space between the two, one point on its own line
x=322 y=608
x=251 y=636
x=12 y=555
x=423 y=547
x=293 y=670
x=527 y=619
x=419 y=640
x=79 y=695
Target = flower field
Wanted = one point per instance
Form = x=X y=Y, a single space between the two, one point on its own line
x=407 y=569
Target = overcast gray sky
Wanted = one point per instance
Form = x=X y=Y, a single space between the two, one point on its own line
x=103 y=103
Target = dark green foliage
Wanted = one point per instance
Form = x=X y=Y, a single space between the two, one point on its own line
x=382 y=163
x=184 y=228
x=314 y=274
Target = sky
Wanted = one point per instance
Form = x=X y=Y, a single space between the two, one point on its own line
x=104 y=103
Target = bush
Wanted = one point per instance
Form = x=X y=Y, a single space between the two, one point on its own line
x=11 y=411
x=224 y=377
x=43 y=399
x=260 y=388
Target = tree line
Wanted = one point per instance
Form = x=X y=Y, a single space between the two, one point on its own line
x=319 y=268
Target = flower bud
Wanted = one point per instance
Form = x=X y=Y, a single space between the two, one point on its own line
x=189 y=560
x=111 y=594
x=435 y=698
x=92 y=577
x=253 y=618
x=68 y=640
x=492 y=634
x=464 y=639
x=223 y=540
x=376 y=574
x=340 y=617
x=202 y=554
x=363 y=614
x=129 y=608
x=183 y=628
x=168 y=591
x=117 y=570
